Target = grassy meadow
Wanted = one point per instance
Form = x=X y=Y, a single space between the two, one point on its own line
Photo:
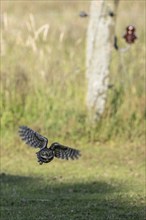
x=43 y=86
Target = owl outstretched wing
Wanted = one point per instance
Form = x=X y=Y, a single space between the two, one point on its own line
x=64 y=152
x=32 y=138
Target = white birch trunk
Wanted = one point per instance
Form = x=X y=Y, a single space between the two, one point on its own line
x=100 y=41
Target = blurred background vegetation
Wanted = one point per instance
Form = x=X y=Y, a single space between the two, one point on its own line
x=43 y=81
x=43 y=86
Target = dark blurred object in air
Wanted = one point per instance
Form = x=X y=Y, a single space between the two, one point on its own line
x=130 y=36
x=116 y=43
x=110 y=86
x=83 y=14
x=111 y=14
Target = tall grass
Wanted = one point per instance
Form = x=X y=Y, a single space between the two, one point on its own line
x=43 y=81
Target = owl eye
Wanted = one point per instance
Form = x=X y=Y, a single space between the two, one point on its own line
x=43 y=153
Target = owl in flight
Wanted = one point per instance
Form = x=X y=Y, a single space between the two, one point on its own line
x=46 y=155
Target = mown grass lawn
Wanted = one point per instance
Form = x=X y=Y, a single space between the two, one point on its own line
x=107 y=182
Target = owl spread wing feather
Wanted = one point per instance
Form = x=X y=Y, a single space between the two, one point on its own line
x=64 y=152
x=32 y=138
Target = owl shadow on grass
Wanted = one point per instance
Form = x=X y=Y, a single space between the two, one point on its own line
x=32 y=197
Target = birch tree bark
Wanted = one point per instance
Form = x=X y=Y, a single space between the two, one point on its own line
x=100 y=41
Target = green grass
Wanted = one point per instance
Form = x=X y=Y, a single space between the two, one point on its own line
x=43 y=78
x=43 y=86
x=106 y=183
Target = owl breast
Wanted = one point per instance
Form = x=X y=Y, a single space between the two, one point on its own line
x=45 y=155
